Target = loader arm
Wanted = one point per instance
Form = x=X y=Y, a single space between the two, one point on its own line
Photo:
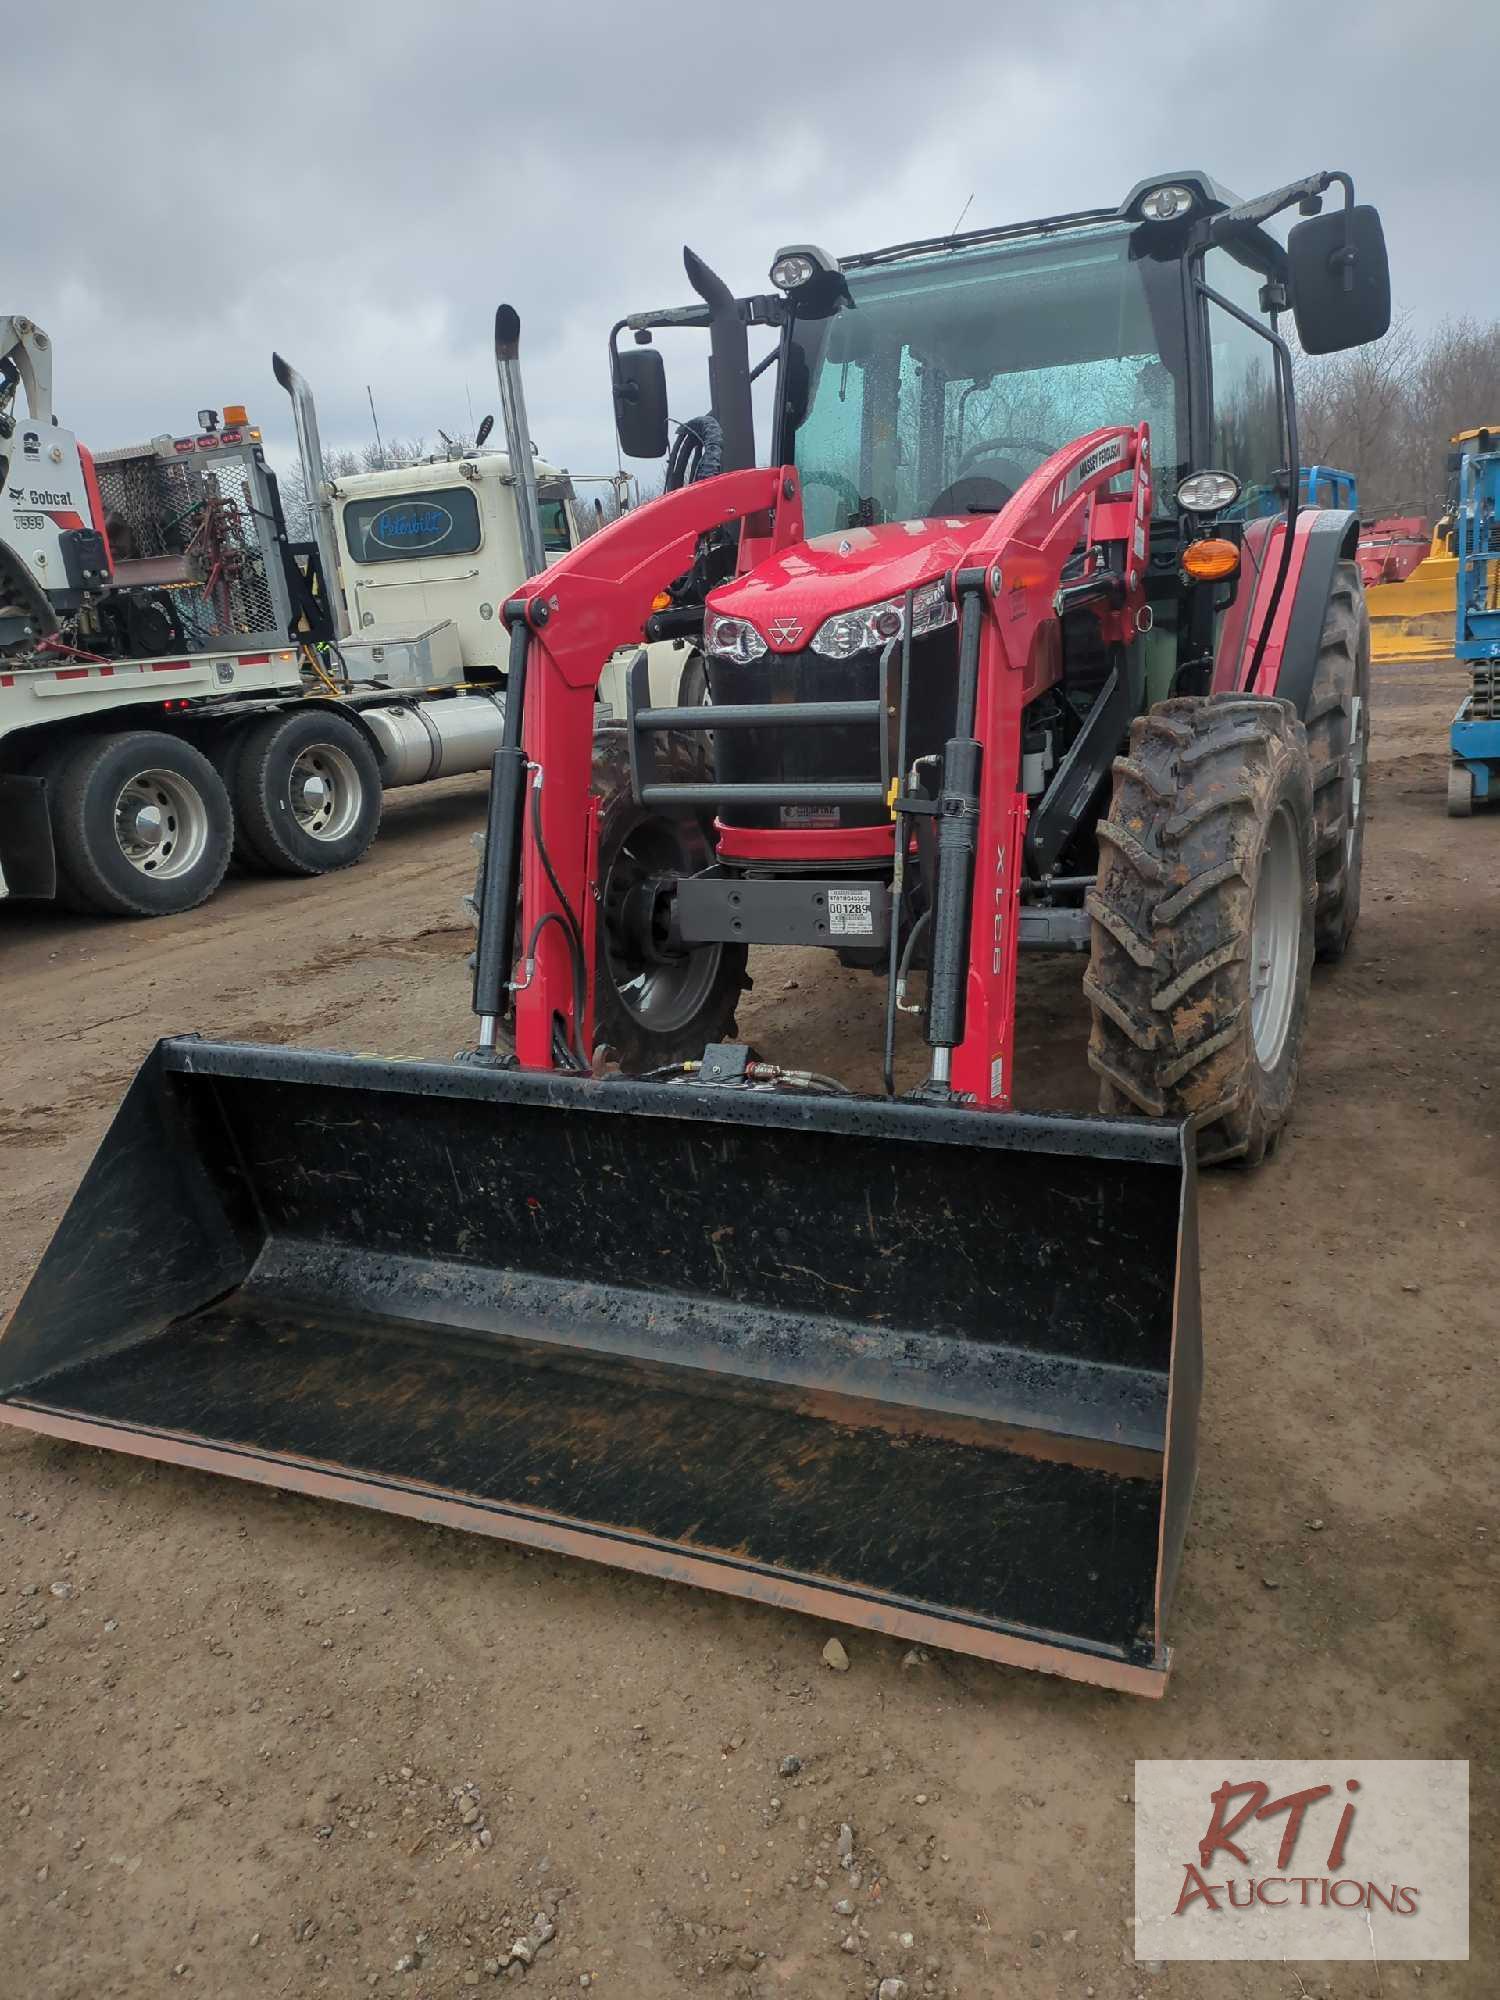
x=591 y=602
x=1015 y=570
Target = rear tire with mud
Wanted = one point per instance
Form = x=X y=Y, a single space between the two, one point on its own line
x=1202 y=944
x=1338 y=742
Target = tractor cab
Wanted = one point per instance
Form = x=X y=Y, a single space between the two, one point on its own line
x=917 y=390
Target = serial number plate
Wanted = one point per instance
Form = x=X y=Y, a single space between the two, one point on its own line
x=850 y=913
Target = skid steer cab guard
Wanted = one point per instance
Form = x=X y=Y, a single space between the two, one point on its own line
x=898 y=1366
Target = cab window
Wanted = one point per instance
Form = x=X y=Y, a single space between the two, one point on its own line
x=1248 y=438
x=557 y=536
x=405 y=527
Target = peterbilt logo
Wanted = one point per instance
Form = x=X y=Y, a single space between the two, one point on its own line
x=786 y=631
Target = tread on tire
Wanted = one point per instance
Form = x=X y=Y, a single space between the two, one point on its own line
x=1170 y=979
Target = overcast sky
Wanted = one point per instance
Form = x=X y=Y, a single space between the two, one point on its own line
x=359 y=185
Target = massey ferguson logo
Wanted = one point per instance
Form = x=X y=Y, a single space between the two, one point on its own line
x=786 y=631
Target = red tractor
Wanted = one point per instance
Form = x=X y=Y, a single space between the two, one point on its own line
x=1003 y=652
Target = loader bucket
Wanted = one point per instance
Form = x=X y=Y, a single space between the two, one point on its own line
x=929 y=1371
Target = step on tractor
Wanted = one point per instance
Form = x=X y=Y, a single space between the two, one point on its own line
x=1004 y=652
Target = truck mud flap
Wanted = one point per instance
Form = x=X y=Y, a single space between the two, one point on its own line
x=28 y=862
x=934 y=1372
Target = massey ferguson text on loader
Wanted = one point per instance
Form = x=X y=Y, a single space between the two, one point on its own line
x=1004 y=651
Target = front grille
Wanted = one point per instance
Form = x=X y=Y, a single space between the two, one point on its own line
x=808 y=756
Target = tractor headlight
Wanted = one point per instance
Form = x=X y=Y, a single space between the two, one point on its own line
x=852 y=632
x=798 y=262
x=1208 y=492
x=733 y=639
x=1166 y=204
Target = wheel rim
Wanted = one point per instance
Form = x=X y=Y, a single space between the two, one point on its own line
x=1275 y=939
x=663 y=994
x=1359 y=753
x=325 y=792
x=161 y=824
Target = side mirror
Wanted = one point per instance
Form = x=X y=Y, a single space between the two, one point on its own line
x=1340 y=279
x=641 y=402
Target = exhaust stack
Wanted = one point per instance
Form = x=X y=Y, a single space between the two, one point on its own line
x=315 y=479
x=518 y=436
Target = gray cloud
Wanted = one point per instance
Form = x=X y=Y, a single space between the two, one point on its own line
x=359 y=185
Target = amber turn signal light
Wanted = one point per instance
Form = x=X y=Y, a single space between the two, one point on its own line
x=1211 y=558
x=662 y=601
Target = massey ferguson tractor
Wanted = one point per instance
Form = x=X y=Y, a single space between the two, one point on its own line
x=1006 y=650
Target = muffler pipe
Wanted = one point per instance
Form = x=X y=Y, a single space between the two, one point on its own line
x=315 y=483
x=518 y=437
x=729 y=364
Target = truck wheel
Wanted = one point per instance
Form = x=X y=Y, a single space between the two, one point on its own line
x=307 y=794
x=141 y=824
x=1338 y=742
x=1202 y=944
x=654 y=1006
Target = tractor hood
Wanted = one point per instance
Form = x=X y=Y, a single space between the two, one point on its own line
x=787 y=597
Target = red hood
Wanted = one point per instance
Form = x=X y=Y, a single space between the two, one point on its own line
x=788 y=596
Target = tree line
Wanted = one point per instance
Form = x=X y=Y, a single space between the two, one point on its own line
x=1387 y=412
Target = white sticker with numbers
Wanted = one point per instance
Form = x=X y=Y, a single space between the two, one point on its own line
x=850 y=913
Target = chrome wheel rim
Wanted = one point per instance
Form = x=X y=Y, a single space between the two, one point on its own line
x=161 y=824
x=1275 y=939
x=325 y=792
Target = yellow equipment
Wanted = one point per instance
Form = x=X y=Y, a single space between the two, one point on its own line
x=1412 y=597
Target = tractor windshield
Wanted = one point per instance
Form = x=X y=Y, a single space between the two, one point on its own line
x=954 y=376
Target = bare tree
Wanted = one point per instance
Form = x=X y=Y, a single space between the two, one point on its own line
x=1387 y=412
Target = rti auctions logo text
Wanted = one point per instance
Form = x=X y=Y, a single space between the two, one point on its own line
x=1239 y=1806
x=1301 y=1858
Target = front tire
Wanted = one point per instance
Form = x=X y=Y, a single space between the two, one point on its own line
x=1460 y=791
x=1202 y=944
x=652 y=1006
x=141 y=825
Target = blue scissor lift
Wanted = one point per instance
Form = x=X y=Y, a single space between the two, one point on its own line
x=1474 y=775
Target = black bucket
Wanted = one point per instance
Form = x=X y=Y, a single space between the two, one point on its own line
x=930 y=1371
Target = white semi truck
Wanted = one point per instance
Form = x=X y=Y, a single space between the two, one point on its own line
x=180 y=686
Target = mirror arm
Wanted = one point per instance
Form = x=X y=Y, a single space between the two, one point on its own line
x=1306 y=194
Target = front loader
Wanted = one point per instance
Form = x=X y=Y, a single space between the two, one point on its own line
x=1004 y=651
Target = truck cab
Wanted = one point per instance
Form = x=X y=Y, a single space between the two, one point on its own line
x=423 y=543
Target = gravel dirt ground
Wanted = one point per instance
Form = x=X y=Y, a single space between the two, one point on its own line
x=250 y=1744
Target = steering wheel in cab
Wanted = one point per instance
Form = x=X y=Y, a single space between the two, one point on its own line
x=843 y=490
x=973 y=492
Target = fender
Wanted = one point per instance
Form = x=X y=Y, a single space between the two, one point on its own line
x=1332 y=539
x=1321 y=539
